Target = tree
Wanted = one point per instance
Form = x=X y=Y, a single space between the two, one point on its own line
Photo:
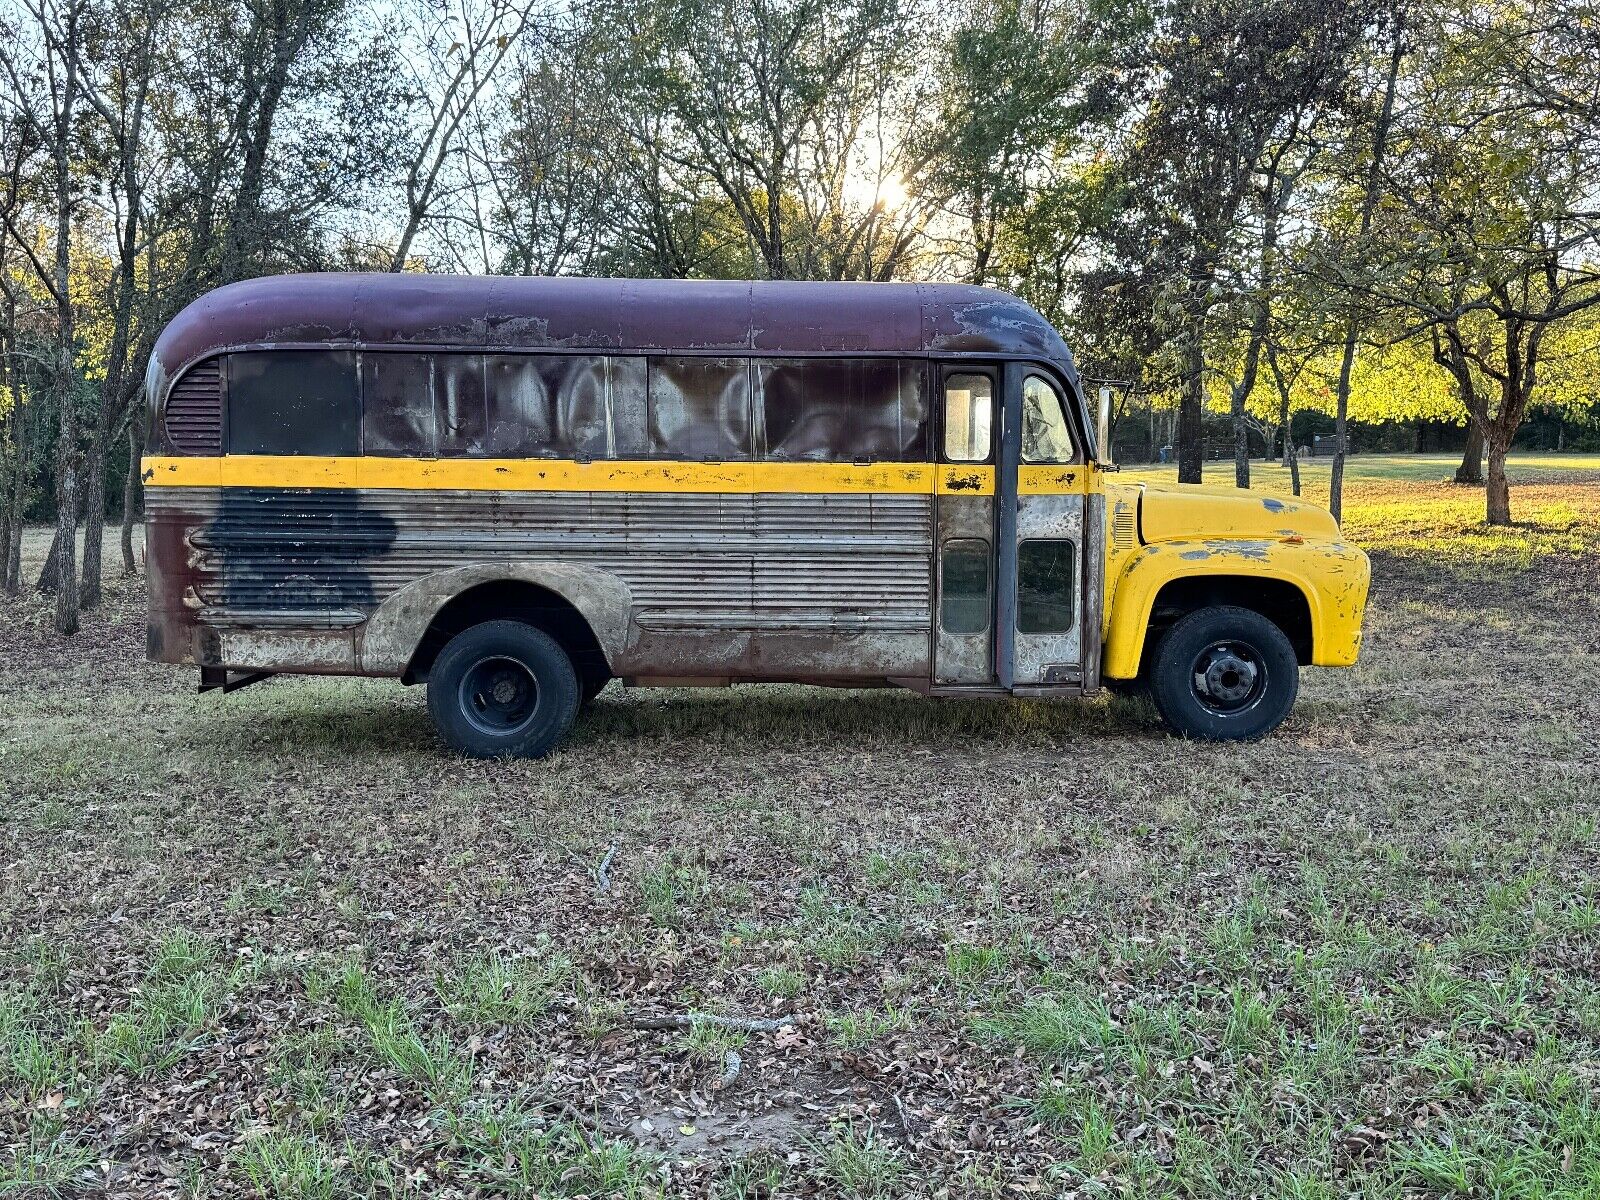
x=44 y=68
x=1213 y=85
x=1005 y=149
x=121 y=157
x=1371 y=191
x=785 y=110
x=461 y=52
x=1487 y=236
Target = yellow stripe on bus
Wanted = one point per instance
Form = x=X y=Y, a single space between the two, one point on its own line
x=550 y=475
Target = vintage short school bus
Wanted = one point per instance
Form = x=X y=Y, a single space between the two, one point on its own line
x=515 y=490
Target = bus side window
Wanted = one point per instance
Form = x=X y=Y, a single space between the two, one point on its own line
x=699 y=408
x=628 y=404
x=293 y=402
x=547 y=406
x=968 y=414
x=460 y=411
x=397 y=405
x=842 y=409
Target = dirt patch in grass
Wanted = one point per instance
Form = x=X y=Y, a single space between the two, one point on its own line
x=277 y=943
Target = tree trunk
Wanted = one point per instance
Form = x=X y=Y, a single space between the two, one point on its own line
x=11 y=551
x=94 y=521
x=13 y=560
x=1241 y=452
x=1369 y=204
x=1191 y=431
x=130 y=496
x=1471 y=468
x=1498 y=492
x=1341 y=422
x=50 y=573
x=66 y=620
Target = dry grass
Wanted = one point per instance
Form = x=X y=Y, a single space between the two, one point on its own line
x=277 y=944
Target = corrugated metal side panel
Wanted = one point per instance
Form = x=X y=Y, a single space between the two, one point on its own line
x=194 y=410
x=692 y=561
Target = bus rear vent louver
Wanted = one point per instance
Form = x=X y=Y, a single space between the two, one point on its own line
x=194 y=410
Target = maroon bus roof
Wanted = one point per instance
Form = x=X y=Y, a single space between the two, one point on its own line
x=512 y=312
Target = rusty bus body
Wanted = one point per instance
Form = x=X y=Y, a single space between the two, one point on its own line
x=665 y=482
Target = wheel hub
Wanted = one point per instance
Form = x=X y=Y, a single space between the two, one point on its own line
x=1225 y=675
x=498 y=695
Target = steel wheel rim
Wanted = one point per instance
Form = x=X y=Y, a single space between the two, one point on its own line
x=1228 y=677
x=498 y=695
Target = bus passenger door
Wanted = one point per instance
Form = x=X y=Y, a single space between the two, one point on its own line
x=1042 y=505
x=964 y=525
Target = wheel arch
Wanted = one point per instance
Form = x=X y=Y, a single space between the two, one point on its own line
x=1164 y=581
x=585 y=609
x=1278 y=600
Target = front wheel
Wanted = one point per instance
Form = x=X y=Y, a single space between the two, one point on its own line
x=1224 y=674
x=503 y=690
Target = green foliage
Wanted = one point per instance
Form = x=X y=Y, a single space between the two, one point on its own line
x=180 y=996
x=859 y=1165
x=492 y=989
x=48 y=1160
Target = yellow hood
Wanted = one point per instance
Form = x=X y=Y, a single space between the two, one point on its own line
x=1195 y=512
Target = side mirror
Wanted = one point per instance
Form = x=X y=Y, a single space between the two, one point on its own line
x=1103 y=430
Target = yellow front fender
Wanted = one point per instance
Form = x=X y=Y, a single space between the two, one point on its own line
x=1331 y=575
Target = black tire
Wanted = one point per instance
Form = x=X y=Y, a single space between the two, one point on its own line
x=1224 y=674
x=503 y=690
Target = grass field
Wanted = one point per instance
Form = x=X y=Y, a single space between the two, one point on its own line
x=278 y=944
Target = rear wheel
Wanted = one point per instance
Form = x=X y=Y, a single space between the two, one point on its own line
x=503 y=689
x=1224 y=674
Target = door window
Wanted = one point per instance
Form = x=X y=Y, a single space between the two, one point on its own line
x=964 y=587
x=968 y=413
x=1045 y=437
x=1044 y=586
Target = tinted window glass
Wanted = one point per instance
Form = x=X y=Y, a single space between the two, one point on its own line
x=1044 y=423
x=630 y=408
x=964 y=586
x=968 y=410
x=293 y=402
x=1044 y=586
x=699 y=408
x=548 y=405
x=842 y=409
x=460 y=412
x=521 y=409
x=397 y=404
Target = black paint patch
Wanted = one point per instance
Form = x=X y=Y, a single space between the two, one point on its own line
x=281 y=549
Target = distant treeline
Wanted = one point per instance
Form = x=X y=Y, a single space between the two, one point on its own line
x=1372 y=214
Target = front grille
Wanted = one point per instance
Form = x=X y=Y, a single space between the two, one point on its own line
x=194 y=410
